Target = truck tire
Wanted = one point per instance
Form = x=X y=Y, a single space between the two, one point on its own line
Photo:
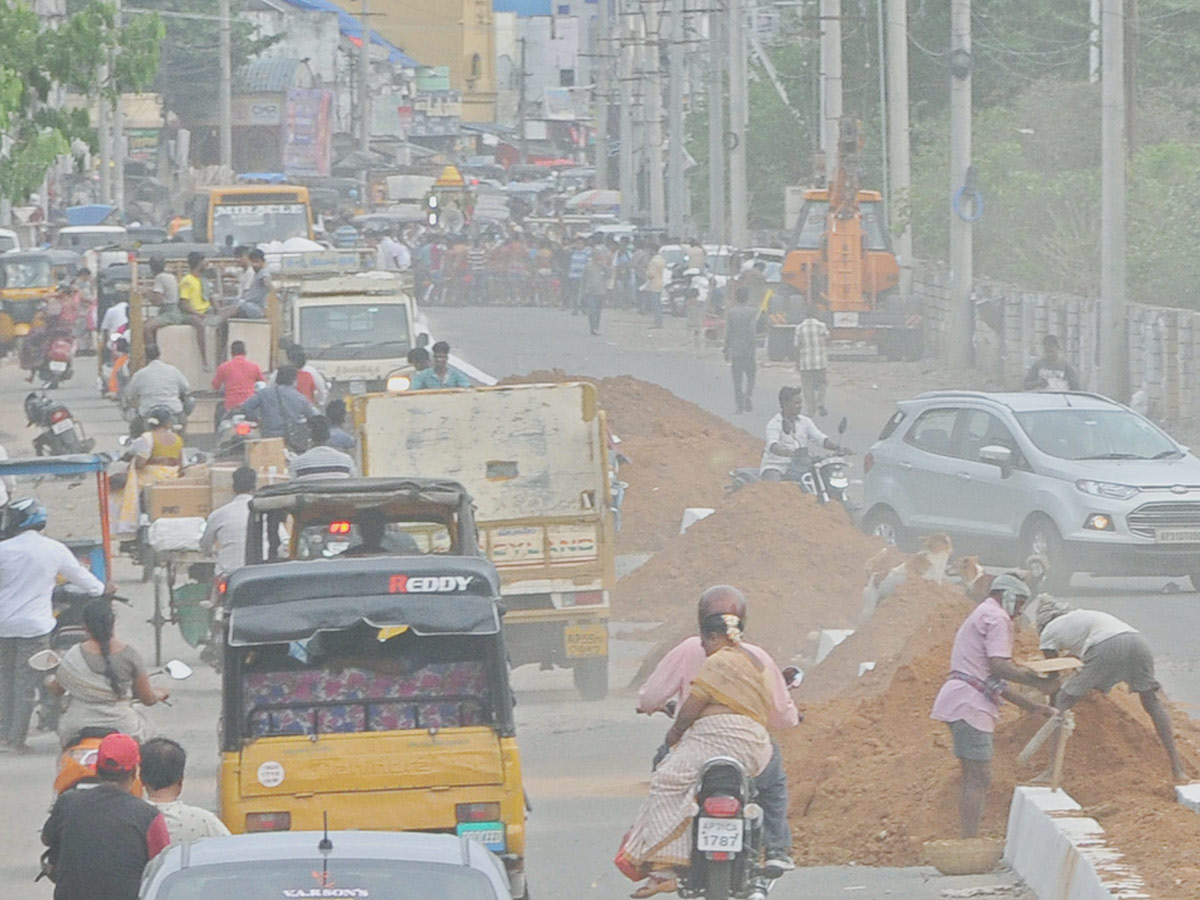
x=591 y=678
x=718 y=880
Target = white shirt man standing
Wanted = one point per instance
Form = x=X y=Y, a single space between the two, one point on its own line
x=225 y=530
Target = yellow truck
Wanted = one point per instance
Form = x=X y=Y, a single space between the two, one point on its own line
x=535 y=459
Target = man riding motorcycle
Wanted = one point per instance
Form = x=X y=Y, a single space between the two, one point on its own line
x=790 y=432
x=56 y=321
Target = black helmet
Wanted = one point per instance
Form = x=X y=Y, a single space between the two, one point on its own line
x=160 y=415
x=23 y=515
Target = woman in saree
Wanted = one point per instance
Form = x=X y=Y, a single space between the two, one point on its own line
x=155 y=455
x=101 y=677
x=724 y=715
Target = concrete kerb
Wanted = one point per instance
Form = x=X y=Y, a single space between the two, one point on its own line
x=1061 y=853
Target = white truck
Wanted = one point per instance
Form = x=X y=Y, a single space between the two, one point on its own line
x=357 y=329
x=535 y=459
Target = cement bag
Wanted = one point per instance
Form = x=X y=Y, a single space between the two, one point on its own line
x=181 y=533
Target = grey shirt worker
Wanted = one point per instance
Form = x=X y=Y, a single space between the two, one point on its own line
x=157 y=383
x=322 y=461
x=741 y=338
x=277 y=406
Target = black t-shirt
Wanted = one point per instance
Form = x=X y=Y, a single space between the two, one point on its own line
x=100 y=840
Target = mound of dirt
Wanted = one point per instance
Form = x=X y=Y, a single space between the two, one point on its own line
x=680 y=455
x=873 y=777
x=799 y=563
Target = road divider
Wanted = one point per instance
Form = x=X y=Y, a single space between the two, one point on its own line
x=1062 y=853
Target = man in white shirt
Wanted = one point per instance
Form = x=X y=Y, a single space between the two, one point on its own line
x=788 y=432
x=116 y=317
x=225 y=530
x=163 y=762
x=1112 y=651
x=30 y=566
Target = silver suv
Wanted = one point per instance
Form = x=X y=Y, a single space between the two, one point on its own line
x=1078 y=478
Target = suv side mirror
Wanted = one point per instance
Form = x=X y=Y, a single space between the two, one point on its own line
x=997 y=456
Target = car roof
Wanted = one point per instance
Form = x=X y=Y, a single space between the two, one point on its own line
x=1025 y=401
x=402 y=846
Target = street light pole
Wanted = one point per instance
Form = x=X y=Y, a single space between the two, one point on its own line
x=675 y=139
x=738 y=114
x=226 y=98
x=716 y=128
x=962 y=274
x=364 y=81
x=1113 y=368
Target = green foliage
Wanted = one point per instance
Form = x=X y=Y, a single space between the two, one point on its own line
x=35 y=64
x=188 y=78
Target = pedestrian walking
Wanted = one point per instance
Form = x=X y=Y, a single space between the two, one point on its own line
x=592 y=287
x=741 y=346
x=812 y=361
x=573 y=298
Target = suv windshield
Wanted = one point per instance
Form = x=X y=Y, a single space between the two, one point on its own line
x=376 y=878
x=1096 y=434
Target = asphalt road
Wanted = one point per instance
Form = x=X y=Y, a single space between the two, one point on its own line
x=586 y=764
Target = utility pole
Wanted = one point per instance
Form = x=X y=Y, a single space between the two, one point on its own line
x=716 y=129
x=625 y=79
x=523 y=140
x=225 y=100
x=654 y=137
x=738 y=114
x=104 y=134
x=1113 y=368
x=364 y=84
x=831 y=79
x=675 y=138
x=602 y=49
x=118 y=133
x=961 y=246
x=899 y=149
x=1094 y=41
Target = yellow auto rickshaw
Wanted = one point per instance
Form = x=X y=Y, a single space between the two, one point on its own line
x=26 y=279
x=370 y=692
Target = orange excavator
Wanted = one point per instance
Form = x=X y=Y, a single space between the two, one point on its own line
x=841 y=259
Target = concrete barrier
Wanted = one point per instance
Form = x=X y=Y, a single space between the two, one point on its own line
x=1189 y=795
x=1061 y=852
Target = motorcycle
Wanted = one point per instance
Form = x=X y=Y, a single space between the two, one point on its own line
x=726 y=837
x=61 y=434
x=58 y=366
x=825 y=477
x=232 y=434
x=674 y=297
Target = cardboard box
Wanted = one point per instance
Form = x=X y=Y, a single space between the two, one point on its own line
x=264 y=453
x=172 y=499
x=202 y=421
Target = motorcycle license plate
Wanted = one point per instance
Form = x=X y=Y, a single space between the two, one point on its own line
x=62 y=426
x=720 y=835
x=57 y=365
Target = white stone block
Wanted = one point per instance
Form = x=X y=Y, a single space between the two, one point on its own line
x=828 y=638
x=692 y=515
x=1189 y=795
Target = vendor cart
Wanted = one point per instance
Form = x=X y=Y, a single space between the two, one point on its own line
x=183 y=578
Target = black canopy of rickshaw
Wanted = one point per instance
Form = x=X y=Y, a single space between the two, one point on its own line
x=291 y=601
x=295 y=495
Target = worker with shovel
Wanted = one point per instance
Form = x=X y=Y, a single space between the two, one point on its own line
x=1112 y=652
x=969 y=701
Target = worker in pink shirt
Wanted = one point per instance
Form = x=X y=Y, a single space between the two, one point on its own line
x=669 y=685
x=969 y=701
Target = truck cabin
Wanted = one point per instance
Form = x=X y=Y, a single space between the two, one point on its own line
x=361 y=517
x=355 y=646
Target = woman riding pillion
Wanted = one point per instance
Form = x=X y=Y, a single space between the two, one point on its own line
x=101 y=677
x=725 y=714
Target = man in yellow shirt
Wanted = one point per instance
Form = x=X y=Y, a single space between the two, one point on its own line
x=191 y=286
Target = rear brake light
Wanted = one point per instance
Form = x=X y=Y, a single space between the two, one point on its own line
x=477 y=812
x=243 y=428
x=720 y=856
x=59 y=414
x=269 y=821
x=868 y=462
x=722 y=805
x=222 y=585
x=339 y=527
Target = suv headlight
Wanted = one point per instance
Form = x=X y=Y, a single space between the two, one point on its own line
x=1107 y=489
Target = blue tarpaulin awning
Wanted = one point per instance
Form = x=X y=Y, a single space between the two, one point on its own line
x=92 y=214
x=351 y=27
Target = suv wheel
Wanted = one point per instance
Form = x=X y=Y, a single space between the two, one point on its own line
x=883 y=523
x=1041 y=538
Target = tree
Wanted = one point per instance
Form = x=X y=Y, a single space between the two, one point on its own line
x=188 y=79
x=37 y=65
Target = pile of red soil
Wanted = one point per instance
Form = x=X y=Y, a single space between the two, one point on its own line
x=680 y=455
x=799 y=563
x=873 y=777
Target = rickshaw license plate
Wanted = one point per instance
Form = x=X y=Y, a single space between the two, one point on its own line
x=490 y=834
x=358 y=387
x=62 y=426
x=586 y=640
x=719 y=835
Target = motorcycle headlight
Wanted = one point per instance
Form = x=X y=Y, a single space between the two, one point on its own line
x=1108 y=489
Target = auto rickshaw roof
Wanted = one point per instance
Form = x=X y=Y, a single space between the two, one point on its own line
x=291 y=601
x=297 y=494
x=74 y=464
